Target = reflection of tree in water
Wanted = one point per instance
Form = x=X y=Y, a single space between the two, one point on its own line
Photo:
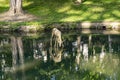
x=102 y=54
x=17 y=53
x=12 y=63
x=78 y=54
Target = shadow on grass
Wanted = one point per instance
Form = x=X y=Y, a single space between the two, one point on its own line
x=3 y=9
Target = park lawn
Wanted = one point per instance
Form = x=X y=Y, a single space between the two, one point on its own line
x=61 y=11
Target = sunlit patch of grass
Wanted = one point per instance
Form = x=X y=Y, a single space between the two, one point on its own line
x=95 y=17
x=63 y=9
x=116 y=13
x=106 y=16
x=97 y=9
x=70 y=19
x=109 y=19
x=4 y=3
x=27 y=3
x=88 y=2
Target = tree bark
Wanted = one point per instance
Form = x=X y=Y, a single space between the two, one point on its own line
x=15 y=7
x=19 y=6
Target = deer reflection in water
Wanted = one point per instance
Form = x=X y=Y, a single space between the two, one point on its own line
x=57 y=55
x=56 y=45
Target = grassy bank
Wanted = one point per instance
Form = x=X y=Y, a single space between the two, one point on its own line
x=61 y=11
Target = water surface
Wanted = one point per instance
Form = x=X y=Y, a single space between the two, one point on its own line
x=82 y=57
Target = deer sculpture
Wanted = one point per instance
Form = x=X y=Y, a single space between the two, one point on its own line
x=56 y=45
x=57 y=36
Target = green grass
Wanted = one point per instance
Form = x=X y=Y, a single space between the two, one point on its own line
x=3 y=5
x=50 y=11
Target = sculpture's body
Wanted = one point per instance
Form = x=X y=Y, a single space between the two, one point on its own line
x=57 y=34
x=56 y=45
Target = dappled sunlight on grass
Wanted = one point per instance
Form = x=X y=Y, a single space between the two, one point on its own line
x=106 y=15
x=87 y=11
x=27 y=3
x=88 y=2
x=63 y=9
x=50 y=11
x=116 y=13
x=109 y=19
x=4 y=3
x=70 y=19
x=94 y=17
x=97 y=9
x=74 y=12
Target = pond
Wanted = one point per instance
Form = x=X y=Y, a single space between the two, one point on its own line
x=82 y=56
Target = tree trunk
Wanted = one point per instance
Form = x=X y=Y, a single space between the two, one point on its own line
x=19 y=6
x=15 y=7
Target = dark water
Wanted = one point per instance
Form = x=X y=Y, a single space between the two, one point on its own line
x=82 y=57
